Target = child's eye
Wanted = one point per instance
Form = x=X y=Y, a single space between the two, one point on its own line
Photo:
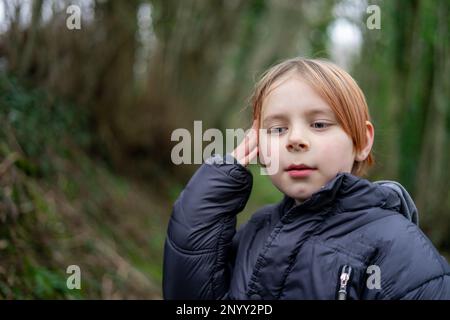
x=276 y=130
x=320 y=125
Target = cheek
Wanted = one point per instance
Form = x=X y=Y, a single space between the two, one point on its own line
x=268 y=147
x=262 y=146
x=269 y=153
x=339 y=149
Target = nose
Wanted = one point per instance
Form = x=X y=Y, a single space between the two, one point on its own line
x=297 y=141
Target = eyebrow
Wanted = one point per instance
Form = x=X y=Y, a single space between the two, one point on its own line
x=312 y=112
x=274 y=117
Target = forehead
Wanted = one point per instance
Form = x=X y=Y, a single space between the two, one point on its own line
x=292 y=94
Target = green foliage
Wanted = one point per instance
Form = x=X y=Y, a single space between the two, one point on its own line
x=59 y=207
x=41 y=123
x=59 y=203
x=404 y=74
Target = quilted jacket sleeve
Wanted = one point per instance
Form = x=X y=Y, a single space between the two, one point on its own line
x=201 y=228
x=433 y=289
x=410 y=266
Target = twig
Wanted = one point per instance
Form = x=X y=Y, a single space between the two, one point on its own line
x=8 y=162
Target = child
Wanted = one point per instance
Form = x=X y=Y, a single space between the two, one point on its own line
x=334 y=235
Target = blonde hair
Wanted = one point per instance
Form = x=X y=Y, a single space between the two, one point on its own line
x=336 y=87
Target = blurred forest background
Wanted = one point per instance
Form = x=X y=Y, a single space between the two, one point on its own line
x=87 y=114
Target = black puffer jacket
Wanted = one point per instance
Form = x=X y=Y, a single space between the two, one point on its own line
x=351 y=227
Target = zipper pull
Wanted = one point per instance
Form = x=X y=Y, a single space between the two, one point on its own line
x=345 y=276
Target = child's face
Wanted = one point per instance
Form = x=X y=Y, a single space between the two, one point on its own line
x=301 y=128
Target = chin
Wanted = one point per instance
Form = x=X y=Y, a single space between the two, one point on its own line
x=300 y=195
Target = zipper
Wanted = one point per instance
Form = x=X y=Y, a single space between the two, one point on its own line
x=344 y=278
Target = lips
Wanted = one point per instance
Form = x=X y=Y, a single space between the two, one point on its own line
x=299 y=171
x=299 y=167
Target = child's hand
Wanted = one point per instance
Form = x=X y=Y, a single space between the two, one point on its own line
x=248 y=148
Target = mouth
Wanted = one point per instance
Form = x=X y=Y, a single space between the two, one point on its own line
x=299 y=171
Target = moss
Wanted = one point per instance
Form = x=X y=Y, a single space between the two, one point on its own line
x=61 y=207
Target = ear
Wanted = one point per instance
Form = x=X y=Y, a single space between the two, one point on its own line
x=364 y=153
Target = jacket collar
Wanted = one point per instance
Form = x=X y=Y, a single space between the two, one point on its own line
x=344 y=193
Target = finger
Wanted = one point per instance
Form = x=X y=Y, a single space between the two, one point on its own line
x=248 y=158
x=243 y=149
x=256 y=127
x=253 y=138
x=246 y=145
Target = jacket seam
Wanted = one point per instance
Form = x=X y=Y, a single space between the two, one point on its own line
x=426 y=245
x=260 y=263
x=293 y=260
x=220 y=243
x=187 y=251
x=424 y=283
x=339 y=249
x=190 y=252
x=244 y=180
